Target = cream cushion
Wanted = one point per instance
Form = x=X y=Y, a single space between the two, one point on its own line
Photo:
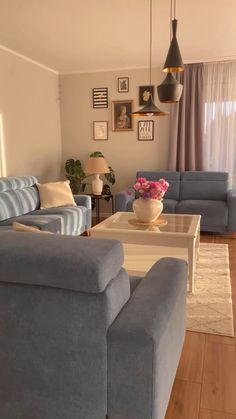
x=55 y=194
x=23 y=227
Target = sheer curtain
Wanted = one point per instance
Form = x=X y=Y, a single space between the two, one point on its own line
x=219 y=139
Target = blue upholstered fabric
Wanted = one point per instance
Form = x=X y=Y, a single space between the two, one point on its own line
x=73 y=344
x=204 y=185
x=194 y=192
x=16 y=182
x=19 y=196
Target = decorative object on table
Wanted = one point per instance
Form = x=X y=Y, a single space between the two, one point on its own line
x=123 y=84
x=100 y=130
x=76 y=174
x=100 y=97
x=144 y=93
x=97 y=166
x=122 y=115
x=148 y=206
x=150 y=109
x=170 y=90
x=145 y=130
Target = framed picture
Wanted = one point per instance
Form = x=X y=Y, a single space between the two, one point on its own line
x=145 y=130
x=121 y=115
x=100 y=97
x=100 y=130
x=123 y=84
x=144 y=93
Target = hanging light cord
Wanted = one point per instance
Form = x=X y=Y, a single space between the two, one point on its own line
x=172 y=14
x=150 y=46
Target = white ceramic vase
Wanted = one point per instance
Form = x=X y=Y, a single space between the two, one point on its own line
x=147 y=210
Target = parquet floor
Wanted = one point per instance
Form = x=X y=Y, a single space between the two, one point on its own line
x=205 y=384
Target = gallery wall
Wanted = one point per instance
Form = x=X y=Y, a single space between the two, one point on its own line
x=29 y=119
x=122 y=151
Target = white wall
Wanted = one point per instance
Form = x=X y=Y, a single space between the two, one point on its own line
x=122 y=151
x=29 y=118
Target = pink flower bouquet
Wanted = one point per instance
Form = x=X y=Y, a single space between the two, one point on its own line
x=148 y=189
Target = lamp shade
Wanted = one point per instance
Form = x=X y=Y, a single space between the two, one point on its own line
x=174 y=62
x=170 y=90
x=150 y=109
x=96 y=165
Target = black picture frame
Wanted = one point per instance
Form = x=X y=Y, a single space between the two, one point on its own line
x=146 y=130
x=144 y=93
x=123 y=85
x=100 y=97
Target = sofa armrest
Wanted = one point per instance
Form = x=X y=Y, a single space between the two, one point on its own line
x=145 y=343
x=231 y=201
x=85 y=201
x=122 y=199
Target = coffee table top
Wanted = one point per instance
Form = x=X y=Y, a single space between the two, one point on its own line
x=177 y=224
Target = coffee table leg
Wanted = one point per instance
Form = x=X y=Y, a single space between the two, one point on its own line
x=191 y=264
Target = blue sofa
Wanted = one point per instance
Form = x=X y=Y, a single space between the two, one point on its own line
x=79 y=338
x=19 y=201
x=204 y=193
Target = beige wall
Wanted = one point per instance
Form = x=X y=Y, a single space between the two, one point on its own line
x=30 y=118
x=122 y=151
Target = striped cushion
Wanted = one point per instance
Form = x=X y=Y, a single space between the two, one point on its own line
x=10 y=205
x=12 y=182
x=29 y=199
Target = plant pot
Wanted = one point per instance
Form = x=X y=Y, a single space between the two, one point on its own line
x=147 y=210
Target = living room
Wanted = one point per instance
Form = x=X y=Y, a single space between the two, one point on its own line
x=53 y=57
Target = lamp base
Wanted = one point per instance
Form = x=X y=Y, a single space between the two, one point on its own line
x=97 y=185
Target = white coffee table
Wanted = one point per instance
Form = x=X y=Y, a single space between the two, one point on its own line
x=144 y=245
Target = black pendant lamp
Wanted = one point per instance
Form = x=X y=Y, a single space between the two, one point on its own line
x=174 y=62
x=150 y=109
x=170 y=90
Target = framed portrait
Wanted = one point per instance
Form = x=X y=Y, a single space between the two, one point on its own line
x=123 y=84
x=100 y=130
x=121 y=115
x=144 y=93
x=145 y=130
x=100 y=97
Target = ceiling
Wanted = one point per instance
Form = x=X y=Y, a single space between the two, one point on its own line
x=97 y=35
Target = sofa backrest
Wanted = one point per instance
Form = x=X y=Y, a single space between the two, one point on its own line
x=173 y=178
x=58 y=297
x=203 y=185
x=18 y=196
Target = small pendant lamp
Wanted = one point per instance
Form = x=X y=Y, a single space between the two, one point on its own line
x=170 y=90
x=150 y=109
x=174 y=62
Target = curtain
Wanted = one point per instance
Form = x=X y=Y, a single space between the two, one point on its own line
x=187 y=122
x=219 y=143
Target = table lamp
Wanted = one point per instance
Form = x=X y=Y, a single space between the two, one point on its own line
x=96 y=165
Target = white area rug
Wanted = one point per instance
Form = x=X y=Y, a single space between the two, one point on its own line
x=209 y=309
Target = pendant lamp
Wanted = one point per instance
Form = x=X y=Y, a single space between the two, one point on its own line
x=174 y=62
x=170 y=90
x=150 y=109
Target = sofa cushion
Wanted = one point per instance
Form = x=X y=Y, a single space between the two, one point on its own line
x=173 y=178
x=75 y=263
x=169 y=206
x=47 y=222
x=16 y=182
x=73 y=219
x=55 y=194
x=203 y=185
x=27 y=229
x=214 y=213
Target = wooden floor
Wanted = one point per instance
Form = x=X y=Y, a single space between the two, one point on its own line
x=205 y=384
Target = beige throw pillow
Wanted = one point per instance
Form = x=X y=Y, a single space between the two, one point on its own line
x=23 y=227
x=55 y=194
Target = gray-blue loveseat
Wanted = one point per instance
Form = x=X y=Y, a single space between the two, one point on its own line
x=19 y=201
x=74 y=343
x=204 y=193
